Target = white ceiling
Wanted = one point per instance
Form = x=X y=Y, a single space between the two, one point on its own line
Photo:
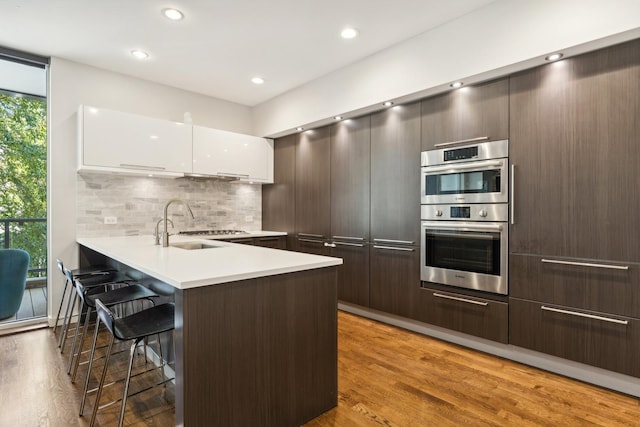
x=220 y=44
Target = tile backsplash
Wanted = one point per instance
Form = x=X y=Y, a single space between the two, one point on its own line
x=138 y=202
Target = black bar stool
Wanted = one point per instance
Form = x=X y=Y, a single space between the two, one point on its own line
x=136 y=327
x=77 y=273
x=130 y=293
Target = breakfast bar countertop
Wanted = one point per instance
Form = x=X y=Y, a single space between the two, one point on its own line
x=222 y=263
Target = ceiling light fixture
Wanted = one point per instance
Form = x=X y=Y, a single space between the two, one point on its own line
x=139 y=54
x=554 y=57
x=173 y=14
x=456 y=85
x=349 y=33
x=387 y=103
x=337 y=117
x=257 y=80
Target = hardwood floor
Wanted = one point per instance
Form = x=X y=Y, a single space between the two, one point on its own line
x=387 y=376
x=34 y=304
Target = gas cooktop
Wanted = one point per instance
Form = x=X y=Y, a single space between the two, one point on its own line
x=212 y=232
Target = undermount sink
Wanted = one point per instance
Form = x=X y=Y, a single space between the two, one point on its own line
x=194 y=245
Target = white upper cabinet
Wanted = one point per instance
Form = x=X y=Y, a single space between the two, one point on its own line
x=112 y=141
x=234 y=155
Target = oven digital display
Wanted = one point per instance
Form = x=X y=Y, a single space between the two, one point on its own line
x=460 y=212
x=461 y=153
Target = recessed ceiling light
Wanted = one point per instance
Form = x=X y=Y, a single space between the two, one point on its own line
x=299 y=129
x=554 y=57
x=139 y=54
x=337 y=117
x=257 y=80
x=173 y=14
x=349 y=33
x=387 y=103
x=456 y=85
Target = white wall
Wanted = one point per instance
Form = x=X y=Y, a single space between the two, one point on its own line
x=71 y=84
x=505 y=36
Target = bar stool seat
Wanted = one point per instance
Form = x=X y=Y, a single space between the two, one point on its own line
x=136 y=327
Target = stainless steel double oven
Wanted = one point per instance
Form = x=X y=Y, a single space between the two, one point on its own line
x=465 y=213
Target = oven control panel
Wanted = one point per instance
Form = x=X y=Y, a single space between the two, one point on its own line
x=498 y=212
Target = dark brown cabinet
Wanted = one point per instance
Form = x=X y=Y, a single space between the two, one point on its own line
x=481 y=317
x=394 y=279
x=313 y=183
x=353 y=274
x=278 y=199
x=471 y=112
x=275 y=242
x=575 y=150
x=599 y=339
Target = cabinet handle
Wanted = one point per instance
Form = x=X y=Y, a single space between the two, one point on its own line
x=329 y=245
x=585 y=264
x=462 y=141
x=398 y=242
x=132 y=166
x=348 y=238
x=311 y=235
x=468 y=301
x=512 y=188
x=359 y=245
x=310 y=240
x=234 y=175
x=394 y=248
x=589 y=316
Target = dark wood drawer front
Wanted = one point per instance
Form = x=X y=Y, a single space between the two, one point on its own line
x=353 y=274
x=277 y=242
x=592 y=287
x=475 y=316
x=602 y=340
x=311 y=245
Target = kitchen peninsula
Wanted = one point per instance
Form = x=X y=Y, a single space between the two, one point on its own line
x=255 y=329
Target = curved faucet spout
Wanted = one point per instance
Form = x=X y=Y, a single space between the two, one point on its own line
x=165 y=233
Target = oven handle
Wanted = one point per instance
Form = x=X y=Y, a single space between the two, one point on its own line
x=463 y=227
x=470 y=166
x=468 y=301
x=462 y=141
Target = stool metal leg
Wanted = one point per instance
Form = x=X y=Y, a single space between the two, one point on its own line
x=75 y=356
x=91 y=355
x=127 y=381
x=101 y=383
x=67 y=322
x=64 y=294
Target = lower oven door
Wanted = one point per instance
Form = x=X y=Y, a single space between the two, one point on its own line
x=466 y=254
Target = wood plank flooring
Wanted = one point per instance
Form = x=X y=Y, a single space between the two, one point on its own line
x=387 y=376
x=34 y=304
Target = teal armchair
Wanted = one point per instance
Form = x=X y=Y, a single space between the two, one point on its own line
x=14 y=264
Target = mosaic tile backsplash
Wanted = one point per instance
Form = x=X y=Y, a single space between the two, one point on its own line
x=138 y=203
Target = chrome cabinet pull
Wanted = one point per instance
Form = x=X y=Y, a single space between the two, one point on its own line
x=469 y=301
x=239 y=175
x=311 y=235
x=398 y=242
x=462 y=141
x=329 y=245
x=359 y=245
x=310 y=240
x=132 y=166
x=348 y=238
x=513 y=194
x=393 y=248
x=585 y=264
x=589 y=316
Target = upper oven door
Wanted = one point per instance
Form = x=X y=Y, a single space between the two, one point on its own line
x=482 y=181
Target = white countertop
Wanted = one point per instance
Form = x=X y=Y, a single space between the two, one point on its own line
x=185 y=269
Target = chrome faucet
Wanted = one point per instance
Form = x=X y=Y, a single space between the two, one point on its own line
x=165 y=233
x=157 y=235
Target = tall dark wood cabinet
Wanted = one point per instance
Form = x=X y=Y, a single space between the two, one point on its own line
x=279 y=198
x=467 y=113
x=395 y=209
x=350 y=191
x=575 y=255
x=313 y=191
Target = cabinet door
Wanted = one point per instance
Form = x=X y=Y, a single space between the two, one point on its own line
x=311 y=244
x=223 y=153
x=395 y=174
x=279 y=199
x=353 y=274
x=598 y=339
x=481 y=317
x=394 y=278
x=575 y=146
x=350 y=175
x=467 y=113
x=275 y=242
x=114 y=139
x=313 y=180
